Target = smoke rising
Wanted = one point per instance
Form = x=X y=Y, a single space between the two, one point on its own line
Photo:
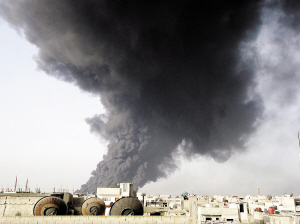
x=171 y=74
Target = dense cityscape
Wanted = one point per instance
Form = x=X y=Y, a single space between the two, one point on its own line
x=122 y=204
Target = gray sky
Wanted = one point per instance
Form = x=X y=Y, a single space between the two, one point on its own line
x=43 y=135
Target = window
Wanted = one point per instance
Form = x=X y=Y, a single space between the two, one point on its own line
x=241 y=207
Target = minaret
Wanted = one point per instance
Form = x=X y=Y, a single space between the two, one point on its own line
x=15 y=188
x=26 y=185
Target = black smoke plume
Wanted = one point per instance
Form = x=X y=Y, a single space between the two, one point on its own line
x=171 y=74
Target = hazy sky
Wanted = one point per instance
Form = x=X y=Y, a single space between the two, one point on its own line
x=44 y=136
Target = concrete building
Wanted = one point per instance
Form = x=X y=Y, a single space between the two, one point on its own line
x=215 y=214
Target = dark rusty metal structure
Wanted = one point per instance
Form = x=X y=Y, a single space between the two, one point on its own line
x=65 y=204
x=127 y=206
x=93 y=206
x=50 y=205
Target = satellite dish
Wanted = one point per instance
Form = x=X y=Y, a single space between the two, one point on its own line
x=127 y=206
x=50 y=205
x=93 y=206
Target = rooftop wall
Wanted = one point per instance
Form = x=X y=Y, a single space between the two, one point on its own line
x=218 y=211
x=18 y=205
x=97 y=219
x=109 y=191
x=274 y=219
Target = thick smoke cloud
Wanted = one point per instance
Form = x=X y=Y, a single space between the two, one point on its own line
x=171 y=74
x=278 y=61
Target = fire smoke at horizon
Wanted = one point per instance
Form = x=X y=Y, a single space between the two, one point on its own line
x=171 y=74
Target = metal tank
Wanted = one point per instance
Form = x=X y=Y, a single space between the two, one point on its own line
x=127 y=206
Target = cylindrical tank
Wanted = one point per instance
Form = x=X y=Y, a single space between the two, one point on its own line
x=127 y=206
x=93 y=206
x=50 y=205
x=271 y=211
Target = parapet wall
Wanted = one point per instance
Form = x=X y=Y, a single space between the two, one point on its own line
x=21 y=205
x=97 y=219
